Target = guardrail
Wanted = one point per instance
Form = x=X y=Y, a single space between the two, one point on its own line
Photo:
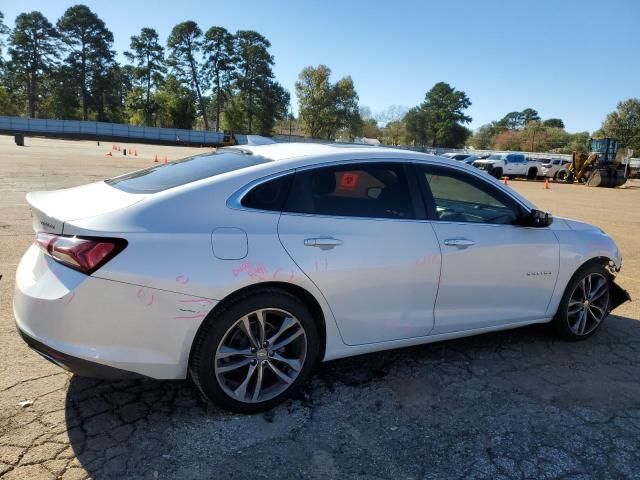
x=90 y=130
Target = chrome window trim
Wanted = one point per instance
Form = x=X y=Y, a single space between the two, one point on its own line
x=235 y=200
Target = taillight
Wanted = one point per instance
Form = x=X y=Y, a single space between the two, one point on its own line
x=85 y=254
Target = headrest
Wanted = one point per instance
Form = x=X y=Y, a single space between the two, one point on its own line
x=323 y=182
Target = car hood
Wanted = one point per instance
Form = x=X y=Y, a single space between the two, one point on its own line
x=580 y=226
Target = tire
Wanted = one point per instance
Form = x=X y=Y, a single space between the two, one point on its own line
x=574 y=321
x=215 y=372
x=532 y=174
x=497 y=172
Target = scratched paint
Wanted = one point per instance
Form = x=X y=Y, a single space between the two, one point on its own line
x=182 y=279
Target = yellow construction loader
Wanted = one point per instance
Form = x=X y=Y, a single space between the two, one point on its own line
x=598 y=168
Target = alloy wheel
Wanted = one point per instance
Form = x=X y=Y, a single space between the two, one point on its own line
x=260 y=355
x=588 y=304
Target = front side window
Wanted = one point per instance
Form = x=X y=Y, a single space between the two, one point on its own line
x=460 y=197
x=375 y=190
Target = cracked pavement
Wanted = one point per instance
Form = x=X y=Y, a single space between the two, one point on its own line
x=509 y=405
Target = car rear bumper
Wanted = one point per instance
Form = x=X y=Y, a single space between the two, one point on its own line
x=75 y=365
x=84 y=323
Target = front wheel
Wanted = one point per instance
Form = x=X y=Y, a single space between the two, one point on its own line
x=585 y=303
x=254 y=354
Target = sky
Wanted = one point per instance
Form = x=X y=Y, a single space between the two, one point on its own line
x=568 y=59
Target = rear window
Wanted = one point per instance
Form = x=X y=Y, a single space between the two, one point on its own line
x=180 y=172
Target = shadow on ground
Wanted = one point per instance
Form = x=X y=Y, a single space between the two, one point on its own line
x=516 y=404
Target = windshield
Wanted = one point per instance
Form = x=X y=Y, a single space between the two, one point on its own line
x=495 y=156
x=180 y=172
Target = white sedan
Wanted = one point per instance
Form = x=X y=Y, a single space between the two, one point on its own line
x=244 y=268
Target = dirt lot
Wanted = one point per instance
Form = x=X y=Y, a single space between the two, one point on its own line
x=515 y=404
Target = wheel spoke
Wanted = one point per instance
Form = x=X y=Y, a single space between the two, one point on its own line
x=261 y=317
x=288 y=340
x=287 y=323
x=583 y=321
x=599 y=291
x=599 y=309
x=583 y=288
x=292 y=362
x=241 y=391
x=258 y=387
x=245 y=327
x=285 y=378
x=574 y=307
x=227 y=367
x=594 y=316
x=578 y=323
x=226 y=352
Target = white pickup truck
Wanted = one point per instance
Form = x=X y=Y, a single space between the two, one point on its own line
x=510 y=165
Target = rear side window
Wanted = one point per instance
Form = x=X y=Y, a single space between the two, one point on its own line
x=180 y=172
x=269 y=195
x=375 y=190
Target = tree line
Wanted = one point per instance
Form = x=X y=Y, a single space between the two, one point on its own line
x=213 y=79
x=219 y=80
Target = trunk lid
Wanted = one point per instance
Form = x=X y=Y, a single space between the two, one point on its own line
x=51 y=209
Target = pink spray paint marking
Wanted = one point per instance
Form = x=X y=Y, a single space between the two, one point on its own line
x=141 y=295
x=71 y=297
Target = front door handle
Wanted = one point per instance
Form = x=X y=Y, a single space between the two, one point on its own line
x=459 y=242
x=323 y=243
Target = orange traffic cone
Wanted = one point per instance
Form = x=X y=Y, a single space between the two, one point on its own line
x=156 y=160
x=165 y=159
x=546 y=184
x=108 y=154
x=505 y=180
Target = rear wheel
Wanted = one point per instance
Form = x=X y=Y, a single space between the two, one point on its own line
x=585 y=303
x=532 y=174
x=255 y=353
x=497 y=172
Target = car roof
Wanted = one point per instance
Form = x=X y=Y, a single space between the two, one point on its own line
x=294 y=150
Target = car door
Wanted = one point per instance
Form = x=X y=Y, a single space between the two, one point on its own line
x=494 y=271
x=354 y=230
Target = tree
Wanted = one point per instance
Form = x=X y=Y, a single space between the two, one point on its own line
x=148 y=57
x=4 y=30
x=482 y=139
x=326 y=108
x=184 y=45
x=219 y=50
x=624 y=124
x=553 y=122
x=33 y=50
x=443 y=109
x=174 y=104
x=394 y=133
x=529 y=115
x=90 y=55
x=254 y=82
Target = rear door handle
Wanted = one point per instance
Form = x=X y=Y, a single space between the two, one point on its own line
x=322 y=242
x=459 y=242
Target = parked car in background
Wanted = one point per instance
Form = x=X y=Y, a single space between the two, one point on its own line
x=244 y=268
x=510 y=165
x=550 y=169
x=457 y=156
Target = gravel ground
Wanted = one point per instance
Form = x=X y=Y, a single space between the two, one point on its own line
x=515 y=404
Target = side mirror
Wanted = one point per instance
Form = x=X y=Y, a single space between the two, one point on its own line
x=538 y=219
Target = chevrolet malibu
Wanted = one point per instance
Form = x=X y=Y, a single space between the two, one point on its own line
x=244 y=268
